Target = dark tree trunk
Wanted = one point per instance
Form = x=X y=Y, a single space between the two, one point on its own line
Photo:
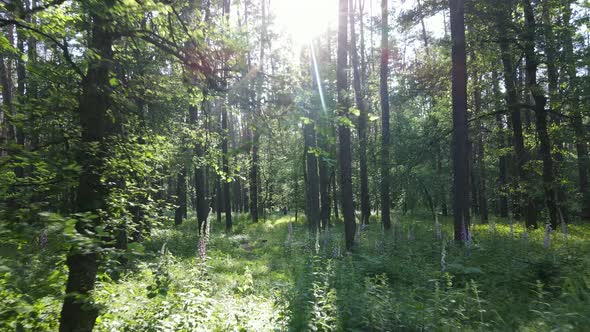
x=7 y=87
x=539 y=101
x=202 y=206
x=312 y=178
x=443 y=188
x=502 y=163
x=224 y=150
x=79 y=312
x=254 y=171
x=555 y=103
x=526 y=203
x=480 y=154
x=345 y=153
x=576 y=111
x=460 y=126
x=19 y=128
x=335 y=194
x=180 y=211
x=362 y=123
x=225 y=166
x=384 y=92
x=218 y=199
x=325 y=199
x=254 y=177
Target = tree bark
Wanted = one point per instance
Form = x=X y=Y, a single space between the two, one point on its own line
x=224 y=150
x=384 y=93
x=501 y=141
x=79 y=312
x=201 y=204
x=361 y=125
x=345 y=154
x=312 y=178
x=538 y=101
x=460 y=126
x=576 y=109
x=180 y=211
x=526 y=203
x=480 y=153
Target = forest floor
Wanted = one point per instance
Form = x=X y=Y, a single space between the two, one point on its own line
x=264 y=277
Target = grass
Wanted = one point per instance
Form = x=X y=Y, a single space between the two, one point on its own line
x=257 y=279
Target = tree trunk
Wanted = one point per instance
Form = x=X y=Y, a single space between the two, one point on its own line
x=345 y=154
x=576 y=109
x=180 y=210
x=480 y=153
x=384 y=92
x=224 y=150
x=20 y=90
x=254 y=177
x=502 y=163
x=79 y=312
x=538 y=102
x=460 y=126
x=335 y=194
x=201 y=204
x=526 y=203
x=312 y=178
x=6 y=80
x=362 y=123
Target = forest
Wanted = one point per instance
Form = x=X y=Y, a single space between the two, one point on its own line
x=276 y=165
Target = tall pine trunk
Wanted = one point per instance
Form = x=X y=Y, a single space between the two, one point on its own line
x=576 y=110
x=362 y=123
x=460 y=126
x=180 y=211
x=345 y=153
x=224 y=150
x=538 y=102
x=384 y=92
x=312 y=178
x=501 y=141
x=480 y=153
x=525 y=204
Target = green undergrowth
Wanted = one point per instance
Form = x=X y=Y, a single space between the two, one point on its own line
x=266 y=277
x=262 y=277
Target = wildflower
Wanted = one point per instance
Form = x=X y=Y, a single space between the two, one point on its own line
x=464 y=236
x=443 y=257
x=438 y=231
x=563 y=224
x=547 y=239
x=43 y=239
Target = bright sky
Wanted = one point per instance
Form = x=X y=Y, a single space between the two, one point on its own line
x=305 y=19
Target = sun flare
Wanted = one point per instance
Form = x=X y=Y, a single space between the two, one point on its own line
x=303 y=20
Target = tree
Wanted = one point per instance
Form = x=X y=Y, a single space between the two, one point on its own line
x=525 y=202
x=362 y=122
x=344 y=143
x=538 y=101
x=384 y=93
x=79 y=312
x=460 y=126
